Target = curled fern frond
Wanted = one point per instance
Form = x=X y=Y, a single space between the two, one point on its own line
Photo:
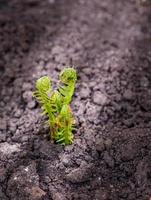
x=43 y=87
x=66 y=88
x=55 y=105
x=43 y=90
x=43 y=84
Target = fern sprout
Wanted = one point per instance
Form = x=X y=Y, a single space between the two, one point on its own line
x=55 y=105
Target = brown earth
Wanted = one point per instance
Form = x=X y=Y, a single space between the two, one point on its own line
x=109 y=43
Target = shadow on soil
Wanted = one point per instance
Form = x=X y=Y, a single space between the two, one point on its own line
x=22 y=24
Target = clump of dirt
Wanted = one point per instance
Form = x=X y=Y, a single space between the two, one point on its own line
x=109 y=45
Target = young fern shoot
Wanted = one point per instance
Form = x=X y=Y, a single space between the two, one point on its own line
x=56 y=105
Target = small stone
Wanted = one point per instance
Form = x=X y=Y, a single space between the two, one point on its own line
x=61 y=58
x=13 y=128
x=128 y=94
x=129 y=122
x=68 y=148
x=92 y=112
x=18 y=113
x=118 y=97
x=144 y=82
x=85 y=92
x=78 y=161
x=80 y=174
x=27 y=96
x=37 y=193
x=99 y=98
x=58 y=196
x=25 y=138
x=31 y=104
x=65 y=159
x=26 y=86
x=100 y=145
x=87 y=71
x=57 y=49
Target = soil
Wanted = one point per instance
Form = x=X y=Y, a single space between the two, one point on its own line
x=109 y=43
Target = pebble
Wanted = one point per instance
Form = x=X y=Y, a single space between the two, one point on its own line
x=58 y=196
x=99 y=98
x=92 y=112
x=57 y=50
x=144 y=82
x=80 y=174
x=85 y=92
x=128 y=94
x=12 y=128
x=66 y=160
x=37 y=193
x=25 y=138
x=31 y=104
x=129 y=122
x=27 y=96
x=17 y=113
x=100 y=145
x=26 y=86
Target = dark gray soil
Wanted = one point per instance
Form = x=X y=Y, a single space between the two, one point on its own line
x=109 y=43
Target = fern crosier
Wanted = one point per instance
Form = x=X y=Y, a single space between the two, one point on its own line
x=55 y=104
x=68 y=79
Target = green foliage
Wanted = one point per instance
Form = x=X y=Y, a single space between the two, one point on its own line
x=55 y=104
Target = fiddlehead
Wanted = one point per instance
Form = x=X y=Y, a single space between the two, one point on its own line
x=66 y=88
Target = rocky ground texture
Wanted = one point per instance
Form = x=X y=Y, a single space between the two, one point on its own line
x=109 y=43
